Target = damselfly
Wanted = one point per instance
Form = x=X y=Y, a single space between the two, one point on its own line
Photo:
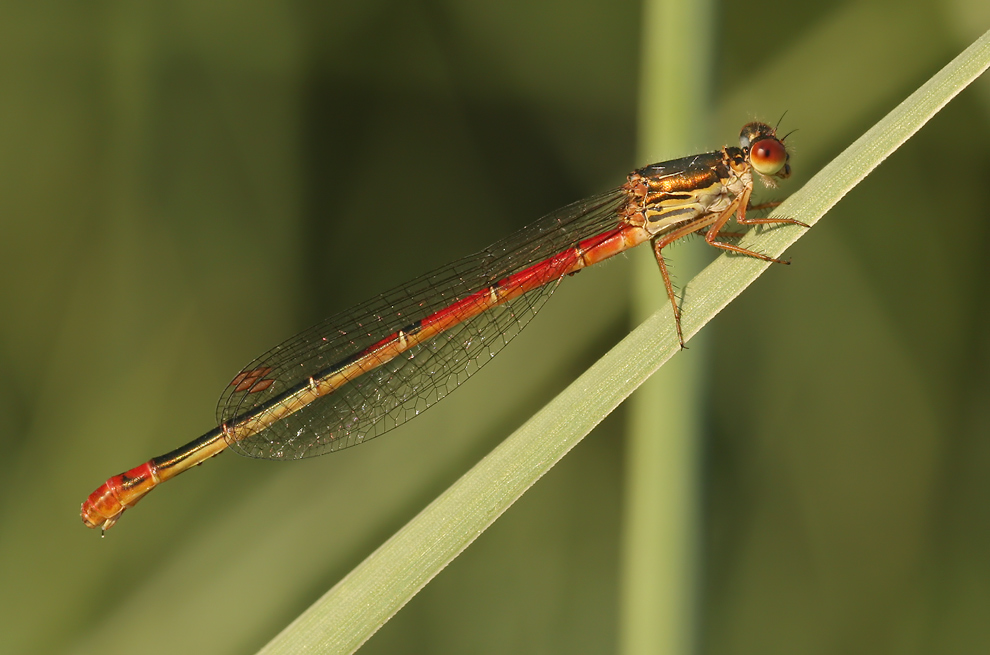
x=367 y=370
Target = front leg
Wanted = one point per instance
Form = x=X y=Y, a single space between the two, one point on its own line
x=739 y=206
x=742 y=220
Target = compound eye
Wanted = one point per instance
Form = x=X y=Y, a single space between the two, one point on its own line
x=768 y=156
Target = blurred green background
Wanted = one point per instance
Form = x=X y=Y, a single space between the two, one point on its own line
x=185 y=184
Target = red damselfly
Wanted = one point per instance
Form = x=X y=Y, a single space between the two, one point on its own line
x=365 y=371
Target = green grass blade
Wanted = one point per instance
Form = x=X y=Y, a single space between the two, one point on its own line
x=665 y=417
x=356 y=607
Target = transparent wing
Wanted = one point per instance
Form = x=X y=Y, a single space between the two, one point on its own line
x=377 y=401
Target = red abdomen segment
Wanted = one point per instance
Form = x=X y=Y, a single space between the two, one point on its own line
x=105 y=505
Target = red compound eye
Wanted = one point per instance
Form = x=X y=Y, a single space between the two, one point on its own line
x=768 y=156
